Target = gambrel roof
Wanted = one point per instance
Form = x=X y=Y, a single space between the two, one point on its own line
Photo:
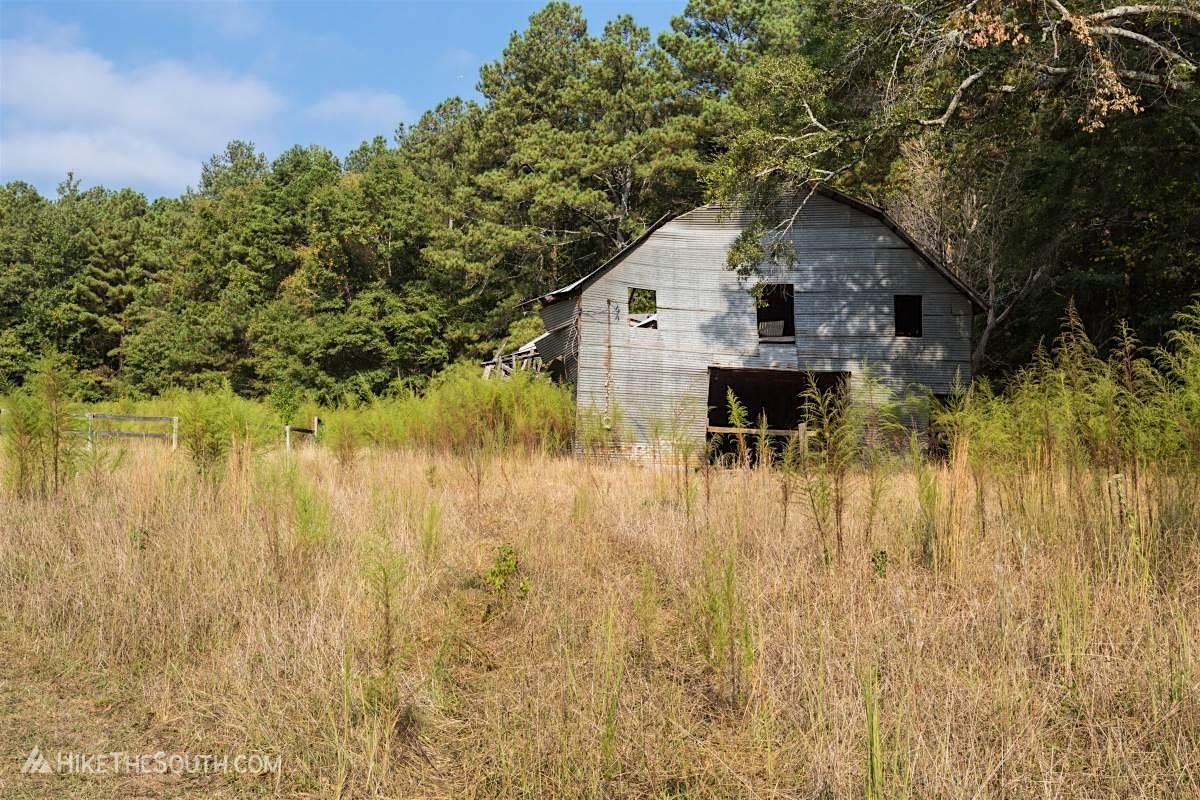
x=575 y=288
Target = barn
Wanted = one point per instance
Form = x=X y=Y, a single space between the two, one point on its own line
x=652 y=340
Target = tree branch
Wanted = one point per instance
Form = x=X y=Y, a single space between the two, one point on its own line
x=1062 y=10
x=1168 y=9
x=812 y=117
x=955 y=100
x=1141 y=38
x=1132 y=74
x=1157 y=80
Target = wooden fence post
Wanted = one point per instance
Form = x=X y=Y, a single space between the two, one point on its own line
x=174 y=433
x=287 y=439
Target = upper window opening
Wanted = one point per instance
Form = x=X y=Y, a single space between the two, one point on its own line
x=643 y=308
x=776 y=311
x=908 y=315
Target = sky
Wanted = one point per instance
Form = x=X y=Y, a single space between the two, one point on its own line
x=140 y=93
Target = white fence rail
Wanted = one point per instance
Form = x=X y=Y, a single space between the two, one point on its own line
x=101 y=430
x=93 y=431
x=100 y=425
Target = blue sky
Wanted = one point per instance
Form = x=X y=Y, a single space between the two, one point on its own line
x=140 y=93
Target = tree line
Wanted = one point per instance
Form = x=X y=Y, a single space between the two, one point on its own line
x=1045 y=152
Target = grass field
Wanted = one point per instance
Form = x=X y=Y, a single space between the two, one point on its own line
x=394 y=623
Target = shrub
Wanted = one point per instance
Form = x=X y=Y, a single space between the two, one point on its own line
x=43 y=439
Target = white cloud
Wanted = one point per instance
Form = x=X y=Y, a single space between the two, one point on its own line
x=110 y=157
x=382 y=110
x=66 y=107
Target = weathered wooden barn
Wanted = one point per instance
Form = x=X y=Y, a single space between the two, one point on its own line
x=652 y=339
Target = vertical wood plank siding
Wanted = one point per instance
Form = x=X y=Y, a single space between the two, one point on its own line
x=848 y=265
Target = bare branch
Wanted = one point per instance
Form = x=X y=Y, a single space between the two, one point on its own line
x=812 y=117
x=1156 y=80
x=1132 y=74
x=1141 y=38
x=791 y=139
x=1031 y=280
x=955 y=100
x=1167 y=9
x=1061 y=9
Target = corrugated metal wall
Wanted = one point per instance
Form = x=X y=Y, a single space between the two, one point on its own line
x=847 y=267
x=562 y=323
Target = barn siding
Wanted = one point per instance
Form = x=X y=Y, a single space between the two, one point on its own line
x=848 y=265
x=561 y=322
x=556 y=315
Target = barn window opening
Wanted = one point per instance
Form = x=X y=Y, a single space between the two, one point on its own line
x=643 y=308
x=908 y=315
x=776 y=312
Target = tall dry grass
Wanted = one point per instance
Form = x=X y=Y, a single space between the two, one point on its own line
x=414 y=625
x=434 y=604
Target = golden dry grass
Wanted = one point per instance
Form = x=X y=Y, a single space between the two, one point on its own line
x=658 y=635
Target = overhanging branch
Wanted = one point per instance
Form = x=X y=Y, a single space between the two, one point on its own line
x=1141 y=38
x=1140 y=9
x=956 y=99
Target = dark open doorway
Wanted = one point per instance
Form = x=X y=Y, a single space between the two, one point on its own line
x=773 y=392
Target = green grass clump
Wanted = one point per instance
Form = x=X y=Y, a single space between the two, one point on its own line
x=1071 y=407
x=460 y=413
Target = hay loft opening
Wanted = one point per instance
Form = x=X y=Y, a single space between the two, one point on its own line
x=776 y=303
x=643 y=308
x=908 y=315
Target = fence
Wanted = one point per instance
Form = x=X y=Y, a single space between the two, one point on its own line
x=288 y=430
x=97 y=429
x=94 y=432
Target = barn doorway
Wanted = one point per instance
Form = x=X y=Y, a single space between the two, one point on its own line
x=773 y=392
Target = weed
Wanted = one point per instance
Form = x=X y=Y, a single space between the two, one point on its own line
x=873 y=772
x=43 y=441
x=345 y=445
x=739 y=418
x=612 y=663
x=206 y=428
x=726 y=637
x=879 y=563
x=311 y=514
x=499 y=579
x=430 y=533
x=1072 y=604
x=385 y=573
x=933 y=548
